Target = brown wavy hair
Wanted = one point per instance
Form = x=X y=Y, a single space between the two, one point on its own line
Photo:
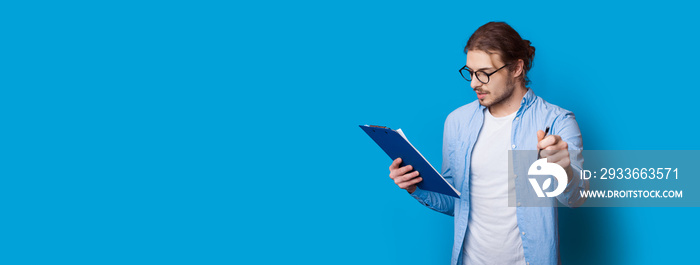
x=501 y=38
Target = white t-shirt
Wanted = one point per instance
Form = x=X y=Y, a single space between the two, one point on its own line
x=492 y=234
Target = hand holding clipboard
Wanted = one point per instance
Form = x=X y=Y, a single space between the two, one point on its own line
x=396 y=145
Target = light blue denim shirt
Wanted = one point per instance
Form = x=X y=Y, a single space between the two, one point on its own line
x=538 y=225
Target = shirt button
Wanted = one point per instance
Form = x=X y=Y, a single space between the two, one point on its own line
x=523 y=233
x=518 y=203
x=517 y=118
x=515 y=176
x=528 y=263
x=513 y=146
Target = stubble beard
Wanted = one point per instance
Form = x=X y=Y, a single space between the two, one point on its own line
x=509 y=89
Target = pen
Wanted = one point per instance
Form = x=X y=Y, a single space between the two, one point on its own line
x=546 y=131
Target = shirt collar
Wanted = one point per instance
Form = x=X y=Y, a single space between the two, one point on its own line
x=528 y=99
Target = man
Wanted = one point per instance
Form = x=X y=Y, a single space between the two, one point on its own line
x=506 y=116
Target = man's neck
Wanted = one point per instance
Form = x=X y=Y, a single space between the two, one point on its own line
x=509 y=105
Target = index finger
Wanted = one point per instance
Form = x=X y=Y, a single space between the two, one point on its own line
x=395 y=164
x=540 y=135
x=547 y=141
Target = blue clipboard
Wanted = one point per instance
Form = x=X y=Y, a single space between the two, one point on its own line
x=396 y=145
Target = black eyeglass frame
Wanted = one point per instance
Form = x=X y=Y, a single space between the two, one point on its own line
x=488 y=76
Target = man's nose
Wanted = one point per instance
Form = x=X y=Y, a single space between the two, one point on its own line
x=475 y=82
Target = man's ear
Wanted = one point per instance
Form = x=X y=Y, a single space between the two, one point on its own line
x=520 y=68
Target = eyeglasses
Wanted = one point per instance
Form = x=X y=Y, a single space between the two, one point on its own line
x=482 y=76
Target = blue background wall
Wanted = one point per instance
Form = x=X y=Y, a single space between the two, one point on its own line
x=226 y=133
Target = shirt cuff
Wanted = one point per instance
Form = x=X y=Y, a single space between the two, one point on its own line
x=571 y=193
x=420 y=195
